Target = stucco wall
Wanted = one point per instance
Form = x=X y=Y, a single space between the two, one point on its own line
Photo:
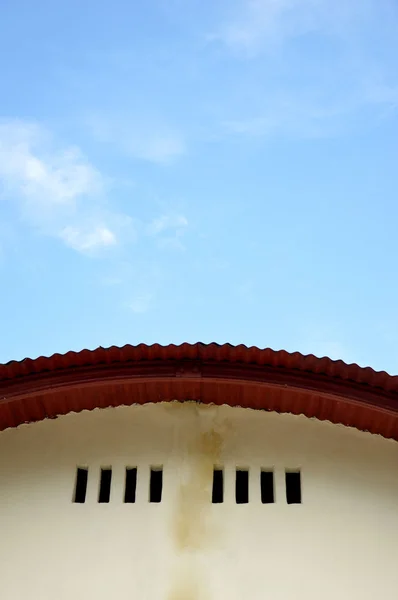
x=341 y=542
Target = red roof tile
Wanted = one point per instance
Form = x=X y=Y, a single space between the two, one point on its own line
x=32 y=390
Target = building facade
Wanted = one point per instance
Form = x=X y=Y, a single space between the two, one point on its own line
x=197 y=473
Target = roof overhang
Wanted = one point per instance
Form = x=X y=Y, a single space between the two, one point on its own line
x=33 y=390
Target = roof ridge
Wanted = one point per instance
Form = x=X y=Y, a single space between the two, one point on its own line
x=202 y=351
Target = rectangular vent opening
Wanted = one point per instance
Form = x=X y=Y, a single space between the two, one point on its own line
x=218 y=486
x=80 y=485
x=242 y=486
x=131 y=485
x=267 y=487
x=105 y=485
x=156 y=484
x=293 y=487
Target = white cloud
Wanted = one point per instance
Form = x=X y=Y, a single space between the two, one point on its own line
x=57 y=189
x=88 y=240
x=31 y=167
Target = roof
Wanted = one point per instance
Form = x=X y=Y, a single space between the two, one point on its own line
x=46 y=387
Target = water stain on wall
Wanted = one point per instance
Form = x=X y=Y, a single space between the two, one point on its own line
x=193 y=530
x=191 y=524
x=187 y=585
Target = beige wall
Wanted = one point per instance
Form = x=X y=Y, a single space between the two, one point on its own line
x=341 y=542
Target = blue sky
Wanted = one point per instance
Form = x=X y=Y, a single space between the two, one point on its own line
x=187 y=170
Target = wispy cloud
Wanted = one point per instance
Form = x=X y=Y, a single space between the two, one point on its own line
x=56 y=188
x=258 y=25
x=167 y=222
x=291 y=114
x=162 y=149
x=259 y=22
x=152 y=142
x=136 y=284
x=319 y=73
x=141 y=303
x=169 y=230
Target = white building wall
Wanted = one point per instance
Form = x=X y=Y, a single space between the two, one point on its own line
x=341 y=542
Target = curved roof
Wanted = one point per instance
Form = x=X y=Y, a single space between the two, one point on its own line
x=32 y=390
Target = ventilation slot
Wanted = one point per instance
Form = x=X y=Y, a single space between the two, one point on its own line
x=131 y=485
x=105 y=486
x=156 y=485
x=267 y=487
x=293 y=487
x=80 y=486
x=218 y=486
x=242 y=486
